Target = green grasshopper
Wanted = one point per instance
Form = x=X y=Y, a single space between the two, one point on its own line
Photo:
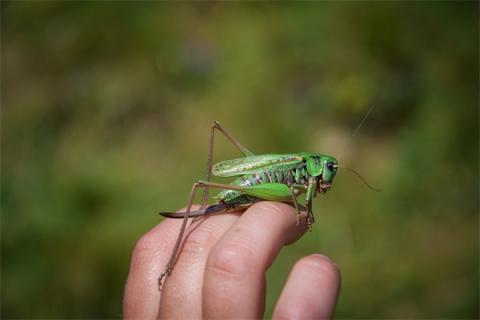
x=275 y=177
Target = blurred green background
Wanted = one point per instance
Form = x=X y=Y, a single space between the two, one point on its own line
x=105 y=114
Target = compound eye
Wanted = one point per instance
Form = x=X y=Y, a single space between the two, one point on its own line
x=331 y=166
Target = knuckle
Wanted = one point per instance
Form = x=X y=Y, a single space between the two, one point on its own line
x=200 y=240
x=274 y=208
x=231 y=260
x=268 y=206
x=145 y=244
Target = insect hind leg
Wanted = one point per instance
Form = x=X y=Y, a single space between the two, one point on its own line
x=216 y=125
x=232 y=139
x=178 y=242
x=173 y=255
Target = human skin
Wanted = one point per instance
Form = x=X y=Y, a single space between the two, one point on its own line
x=220 y=272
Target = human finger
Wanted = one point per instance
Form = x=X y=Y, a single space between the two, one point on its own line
x=311 y=290
x=182 y=293
x=235 y=271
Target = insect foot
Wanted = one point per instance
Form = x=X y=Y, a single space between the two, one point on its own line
x=163 y=275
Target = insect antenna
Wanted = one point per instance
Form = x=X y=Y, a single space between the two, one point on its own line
x=361 y=178
x=362 y=122
x=374 y=104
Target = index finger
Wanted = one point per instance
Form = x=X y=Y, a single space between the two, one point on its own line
x=234 y=279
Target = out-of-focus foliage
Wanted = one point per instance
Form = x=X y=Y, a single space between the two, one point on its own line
x=105 y=113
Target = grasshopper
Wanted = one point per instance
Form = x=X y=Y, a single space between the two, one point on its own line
x=275 y=177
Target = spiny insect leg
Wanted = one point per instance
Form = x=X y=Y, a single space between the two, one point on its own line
x=235 y=142
x=310 y=218
x=178 y=242
x=208 y=177
x=173 y=256
x=294 y=188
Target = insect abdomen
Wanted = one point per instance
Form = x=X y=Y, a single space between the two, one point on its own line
x=286 y=175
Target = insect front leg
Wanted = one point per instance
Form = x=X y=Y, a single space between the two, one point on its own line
x=312 y=184
x=295 y=190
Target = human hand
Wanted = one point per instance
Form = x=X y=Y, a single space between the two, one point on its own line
x=220 y=272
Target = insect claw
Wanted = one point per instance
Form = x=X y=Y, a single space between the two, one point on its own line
x=163 y=275
x=312 y=218
x=160 y=281
x=309 y=224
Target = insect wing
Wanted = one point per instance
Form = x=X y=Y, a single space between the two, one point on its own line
x=248 y=165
